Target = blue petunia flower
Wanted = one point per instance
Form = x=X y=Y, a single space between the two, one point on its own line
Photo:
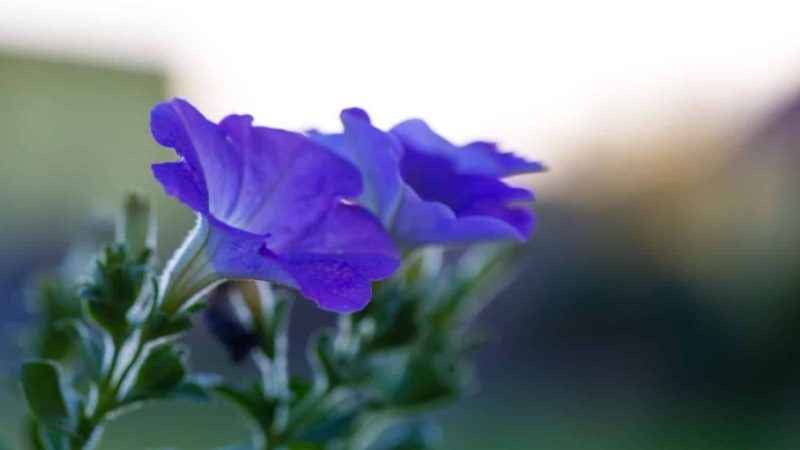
x=270 y=208
x=427 y=190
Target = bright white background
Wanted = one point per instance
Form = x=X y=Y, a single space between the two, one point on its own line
x=538 y=77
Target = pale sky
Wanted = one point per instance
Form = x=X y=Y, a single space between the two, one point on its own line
x=531 y=75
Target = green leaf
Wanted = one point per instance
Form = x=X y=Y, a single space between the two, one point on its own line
x=91 y=348
x=418 y=379
x=253 y=403
x=268 y=313
x=196 y=307
x=51 y=440
x=329 y=428
x=110 y=317
x=55 y=300
x=300 y=388
x=161 y=325
x=33 y=435
x=163 y=370
x=190 y=391
x=409 y=436
x=393 y=319
x=115 y=286
x=323 y=360
x=481 y=272
x=422 y=265
x=45 y=394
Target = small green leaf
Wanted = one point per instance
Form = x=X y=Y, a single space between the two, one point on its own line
x=55 y=300
x=163 y=370
x=330 y=427
x=161 y=325
x=92 y=350
x=419 y=379
x=118 y=277
x=409 y=436
x=393 y=319
x=323 y=359
x=33 y=435
x=252 y=402
x=190 y=391
x=300 y=388
x=196 y=307
x=423 y=265
x=110 y=317
x=51 y=440
x=44 y=392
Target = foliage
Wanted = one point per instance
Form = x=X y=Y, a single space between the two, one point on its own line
x=104 y=346
x=109 y=321
x=406 y=353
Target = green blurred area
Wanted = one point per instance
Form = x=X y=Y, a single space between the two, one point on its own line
x=73 y=139
x=664 y=316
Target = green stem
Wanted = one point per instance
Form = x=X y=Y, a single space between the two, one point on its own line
x=109 y=391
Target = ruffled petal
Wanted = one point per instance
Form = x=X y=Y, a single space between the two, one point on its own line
x=375 y=154
x=332 y=264
x=484 y=158
x=433 y=178
x=287 y=180
x=351 y=234
x=179 y=182
x=334 y=284
x=257 y=179
x=236 y=254
x=204 y=151
x=422 y=222
x=477 y=158
x=336 y=261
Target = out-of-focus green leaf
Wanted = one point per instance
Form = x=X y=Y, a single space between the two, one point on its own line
x=91 y=348
x=161 y=325
x=54 y=301
x=33 y=434
x=109 y=316
x=190 y=391
x=51 y=440
x=330 y=428
x=409 y=436
x=136 y=227
x=45 y=393
x=116 y=283
x=299 y=388
x=480 y=274
x=252 y=402
x=422 y=265
x=162 y=371
x=323 y=360
x=418 y=379
x=393 y=319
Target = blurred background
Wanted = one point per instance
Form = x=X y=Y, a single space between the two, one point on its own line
x=659 y=307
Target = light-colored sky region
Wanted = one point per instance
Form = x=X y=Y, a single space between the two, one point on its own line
x=538 y=77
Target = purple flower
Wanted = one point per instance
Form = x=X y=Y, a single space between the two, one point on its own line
x=427 y=190
x=270 y=207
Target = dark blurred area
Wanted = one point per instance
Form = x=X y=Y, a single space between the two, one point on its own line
x=658 y=308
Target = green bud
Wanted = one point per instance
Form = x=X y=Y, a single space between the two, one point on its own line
x=136 y=226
